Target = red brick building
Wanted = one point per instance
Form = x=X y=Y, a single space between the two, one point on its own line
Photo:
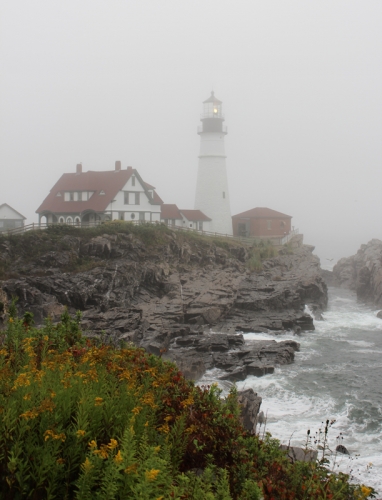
x=261 y=222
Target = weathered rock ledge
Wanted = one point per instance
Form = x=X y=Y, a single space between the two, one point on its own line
x=362 y=272
x=169 y=295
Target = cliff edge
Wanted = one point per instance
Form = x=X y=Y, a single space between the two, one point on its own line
x=362 y=272
x=165 y=290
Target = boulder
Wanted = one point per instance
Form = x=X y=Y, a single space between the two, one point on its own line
x=363 y=273
x=342 y=449
x=250 y=404
x=299 y=454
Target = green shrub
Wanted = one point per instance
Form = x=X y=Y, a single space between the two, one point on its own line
x=83 y=420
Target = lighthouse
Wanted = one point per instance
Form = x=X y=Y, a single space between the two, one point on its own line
x=212 y=196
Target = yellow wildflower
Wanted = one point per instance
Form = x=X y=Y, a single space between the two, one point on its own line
x=102 y=452
x=164 y=428
x=146 y=424
x=86 y=466
x=365 y=491
x=27 y=396
x=46 y=405
x=3 y=352
x=51 y=434
x=29 y=414
x=131 y=469
x=118 y=457
x=113 y=444
x=188 y=402
x=98 y=401
x=151 y=475
x=60 y=461
x=11 y=320
x=22 y=381
x=156 y=449
x=148 y=399
x=46 y=338
x=191 y=429
x=48 y=434
x=80 y=433
x=92 y=444
x=137 y=410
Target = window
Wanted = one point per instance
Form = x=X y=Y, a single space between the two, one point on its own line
x=79 y=195
x=1 y=223
x=190 y=224
x=269 y=224
x=69 y=220
x=77 y=221
x=223 y=194
x=71 y=196
x=200 y=226
x=61 y=220
x=132 y=216
x=133 y=180
x=121 y=215
x=131 y=198
x=141 y=215
x=173 y=222
x=102 y=191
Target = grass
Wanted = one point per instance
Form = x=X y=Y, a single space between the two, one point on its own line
x=30 y=246
x=259 y=251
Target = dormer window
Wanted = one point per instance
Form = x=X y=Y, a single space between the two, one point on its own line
x=102 y=191
x=59 y=194
x=71 y=196
x=133 y=180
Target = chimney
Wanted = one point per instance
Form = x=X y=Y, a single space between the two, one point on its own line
x=79 y=168
x=117 y=165
x=130 y=169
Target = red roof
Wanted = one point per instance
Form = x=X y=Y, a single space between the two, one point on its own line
x=109 y=182
x=170 y=211
x=194 y=215
x=262 y=213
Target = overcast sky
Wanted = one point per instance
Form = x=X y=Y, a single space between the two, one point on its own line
x=301 y=83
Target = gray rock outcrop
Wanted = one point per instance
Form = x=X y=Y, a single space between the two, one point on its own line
x=250 y=404
x=362 y=272
x=168 y=294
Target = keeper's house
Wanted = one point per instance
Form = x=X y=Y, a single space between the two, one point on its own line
x=10 y=218
x=191 y=219
x=261 y=222
x=92 y=197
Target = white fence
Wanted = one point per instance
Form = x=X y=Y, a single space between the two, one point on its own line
x=249 y=241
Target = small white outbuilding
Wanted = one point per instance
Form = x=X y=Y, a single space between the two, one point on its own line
x=10 y=218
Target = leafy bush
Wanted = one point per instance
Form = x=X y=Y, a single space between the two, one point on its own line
x=81 y=420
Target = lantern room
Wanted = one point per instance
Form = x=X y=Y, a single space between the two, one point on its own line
x=212 y=116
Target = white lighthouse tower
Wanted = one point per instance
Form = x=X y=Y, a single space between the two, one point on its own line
x=212 y=196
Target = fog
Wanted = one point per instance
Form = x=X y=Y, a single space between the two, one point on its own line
x=301 y=85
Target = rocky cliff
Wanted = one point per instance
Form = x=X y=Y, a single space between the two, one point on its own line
x=362 y=272
x=166 y=291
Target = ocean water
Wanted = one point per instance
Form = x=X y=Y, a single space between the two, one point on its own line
x=337 y=375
